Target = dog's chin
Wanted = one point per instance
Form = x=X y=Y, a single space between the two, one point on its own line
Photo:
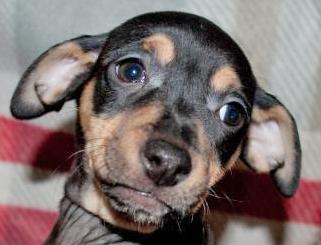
x=134 y=206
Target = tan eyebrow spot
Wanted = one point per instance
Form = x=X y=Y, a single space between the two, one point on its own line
x=162 y=45
x=225 y=78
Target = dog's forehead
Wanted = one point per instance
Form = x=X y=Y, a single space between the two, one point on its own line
x=191 y=44
x=175 y=37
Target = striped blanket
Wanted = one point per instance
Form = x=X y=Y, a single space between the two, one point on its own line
x=280 y=37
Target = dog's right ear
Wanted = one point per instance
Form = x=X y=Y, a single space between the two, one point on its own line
x=55 y=76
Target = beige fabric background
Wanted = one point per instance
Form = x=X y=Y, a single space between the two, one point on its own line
x=282 y=39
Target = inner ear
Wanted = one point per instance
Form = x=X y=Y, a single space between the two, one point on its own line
x=56 y=73
x=266 y=147
x=273 y=144
x=55 y=76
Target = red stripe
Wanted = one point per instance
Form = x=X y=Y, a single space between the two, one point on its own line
x=255 y=195
x=24 y=226
x=43 y=148
x=32 y=145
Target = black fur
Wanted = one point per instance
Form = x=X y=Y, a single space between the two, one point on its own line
x=77 y=226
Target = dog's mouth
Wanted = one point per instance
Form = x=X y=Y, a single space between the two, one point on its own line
x=135 y=205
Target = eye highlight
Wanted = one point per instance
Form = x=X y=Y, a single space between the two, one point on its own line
x=131 y=70
x=232 y=114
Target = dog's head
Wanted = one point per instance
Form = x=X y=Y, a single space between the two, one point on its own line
x=167 y=103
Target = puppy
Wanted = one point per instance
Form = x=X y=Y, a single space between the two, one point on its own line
x=167 y=103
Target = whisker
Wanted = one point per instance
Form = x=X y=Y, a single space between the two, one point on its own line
x=83 y=150
x=53 y=172
x=225 y=196
x=178 y=225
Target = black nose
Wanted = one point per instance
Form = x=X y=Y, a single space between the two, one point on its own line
x=165 y=163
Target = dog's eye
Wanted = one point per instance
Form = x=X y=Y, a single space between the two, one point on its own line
x=131 y=71
x=232 y=114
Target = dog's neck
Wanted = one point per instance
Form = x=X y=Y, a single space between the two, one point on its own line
x=78 y=226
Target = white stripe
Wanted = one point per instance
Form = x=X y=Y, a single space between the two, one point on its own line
x=27 y=187
x=310 y=143
x=232 y=229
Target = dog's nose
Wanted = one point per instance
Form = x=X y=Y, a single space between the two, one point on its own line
x=165 y=163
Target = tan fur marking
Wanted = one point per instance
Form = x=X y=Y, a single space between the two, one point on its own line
x=99 y=132
x=85 y=106
x=225 y=78
x=162 y=45
x=205 y=149
x=240 y=166
x=135 y=134
x=96 y=202
x=232 y=162
x=276 y=113
x=215 y=173
x=146 y=115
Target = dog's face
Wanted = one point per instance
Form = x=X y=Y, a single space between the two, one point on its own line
x=167 y=104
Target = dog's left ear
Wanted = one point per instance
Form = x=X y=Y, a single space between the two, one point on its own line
x=273 y=144
x=55 y=76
